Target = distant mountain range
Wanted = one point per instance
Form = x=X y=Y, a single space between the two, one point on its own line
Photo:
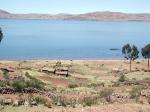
x=95 y=16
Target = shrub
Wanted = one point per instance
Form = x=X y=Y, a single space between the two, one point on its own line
x=116 y=84
x=21 y=100
x=64 y=101
x=89 y=101
x=122 y=78
x=105 y=92
x=58 y=64
x=96 y=84
x=33 y=82
x=18 y=85
x=30 y=99
x=5 y=74
x=135 y=92
x=1 y=102
x=73 y=85
x=40 y=100
x=48 y=104
x=3 y=84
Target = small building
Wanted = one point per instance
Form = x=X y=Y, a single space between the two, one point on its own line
x=62 y=73
x=62 y=68
x=58 y=71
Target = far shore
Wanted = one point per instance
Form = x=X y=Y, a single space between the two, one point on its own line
x=100 y=59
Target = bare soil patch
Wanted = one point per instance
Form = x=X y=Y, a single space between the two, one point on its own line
x=55 y=81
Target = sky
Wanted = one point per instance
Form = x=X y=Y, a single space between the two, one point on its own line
x=75 y=6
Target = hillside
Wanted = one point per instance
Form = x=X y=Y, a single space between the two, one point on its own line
x=96 y=16
x=74 y=86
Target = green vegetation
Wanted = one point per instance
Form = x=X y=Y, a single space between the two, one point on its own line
x=1 y=35
x=58 y=64
x=106 y=92
x=5 y=74
x=33 y=82
x=40 y=100
x=73 y=85
x=146 y=53
x=122 y=78
x=48 y=104
x=21 y=84
x=3 y=83
x=130 y=53
x=89 y=101
x=135 y=92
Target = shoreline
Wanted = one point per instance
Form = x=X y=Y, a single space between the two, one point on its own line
x=69 y=60
x=78 y=20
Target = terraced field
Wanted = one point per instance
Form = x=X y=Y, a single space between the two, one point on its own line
x=92 y=86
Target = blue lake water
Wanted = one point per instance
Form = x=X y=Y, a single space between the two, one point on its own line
x=53 y=39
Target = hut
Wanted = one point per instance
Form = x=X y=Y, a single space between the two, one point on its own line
x=62 y=71
x=65 y=73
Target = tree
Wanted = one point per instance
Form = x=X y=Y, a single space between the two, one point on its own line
x=1 y=35
x=146 y=53
x=130 y=53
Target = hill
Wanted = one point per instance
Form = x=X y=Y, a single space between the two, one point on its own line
x=95 y=16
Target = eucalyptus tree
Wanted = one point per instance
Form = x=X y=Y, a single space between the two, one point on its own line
x=1 y=35
x=131 y=53
x=146 y=53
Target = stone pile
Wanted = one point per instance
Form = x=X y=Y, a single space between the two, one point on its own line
x=118 y=98
x=145 y=96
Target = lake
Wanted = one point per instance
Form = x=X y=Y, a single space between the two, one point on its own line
x=62 y=39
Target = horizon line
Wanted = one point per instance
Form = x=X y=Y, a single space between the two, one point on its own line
x=11 y=12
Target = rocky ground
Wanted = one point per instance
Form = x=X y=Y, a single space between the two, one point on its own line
x=74 y=86
x=105 y=108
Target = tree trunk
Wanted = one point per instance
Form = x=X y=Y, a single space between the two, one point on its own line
x=148 y=64
x=130 y=65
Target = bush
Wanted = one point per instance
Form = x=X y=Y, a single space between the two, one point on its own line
x=58 y=64
x=89 y=101
x=105 y=93
x=64 y=101
x=135 y=92
x=96 y=84
x=5 y=74
x=116 y=84
x=33 y=82
x=19 y=85
x=48 y=104
x=3 y=84
x=73 y=85
x=21 y=99
x=122 y=78
x=30 y=99
x=40 y=100
x=1 y=102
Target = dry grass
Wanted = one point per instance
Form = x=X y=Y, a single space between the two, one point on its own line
x=87 y=77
